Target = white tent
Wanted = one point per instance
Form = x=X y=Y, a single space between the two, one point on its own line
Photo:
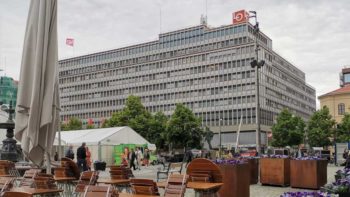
x=101 y=142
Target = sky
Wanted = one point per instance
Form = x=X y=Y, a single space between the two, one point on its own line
x=314 y=35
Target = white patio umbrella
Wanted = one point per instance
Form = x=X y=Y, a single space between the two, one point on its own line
x=37 y=110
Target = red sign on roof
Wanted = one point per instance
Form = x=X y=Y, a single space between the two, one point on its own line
x=240 y=17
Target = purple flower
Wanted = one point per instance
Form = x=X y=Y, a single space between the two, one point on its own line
x=309 y=158
x=305 y=194
x=275 y=156
x=229 y=161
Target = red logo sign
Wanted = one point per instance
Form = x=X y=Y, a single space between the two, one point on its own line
x=240 y=17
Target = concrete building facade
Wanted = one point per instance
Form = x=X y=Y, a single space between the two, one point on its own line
x=207 y=69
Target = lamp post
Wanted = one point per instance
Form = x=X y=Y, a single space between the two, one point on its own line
x=220 y=138
x=257 y=65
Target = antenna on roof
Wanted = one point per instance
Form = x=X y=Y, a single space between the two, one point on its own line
x=204 y=18
x=160 y=18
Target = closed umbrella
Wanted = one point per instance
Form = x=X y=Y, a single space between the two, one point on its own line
x=37 y=110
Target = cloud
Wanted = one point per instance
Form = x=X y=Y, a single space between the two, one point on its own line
x=313 y=34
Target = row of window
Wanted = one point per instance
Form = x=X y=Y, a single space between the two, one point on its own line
x=158 y=97
x=160 y=56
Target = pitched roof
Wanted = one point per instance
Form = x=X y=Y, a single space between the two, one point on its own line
x=342 y=90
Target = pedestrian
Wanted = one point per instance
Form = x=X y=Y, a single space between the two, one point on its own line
x=189 y=157
x=146 y=157
x=69 y=153
x=132 y=159
x=81 y=157
x=88 y=158
x=55 y=157
x=139 y=157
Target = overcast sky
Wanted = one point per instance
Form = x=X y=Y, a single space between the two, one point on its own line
x=314 y=35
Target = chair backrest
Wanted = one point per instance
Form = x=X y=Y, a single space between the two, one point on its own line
x=6 y=183
x=31 y=173
x=86 y=178
x=201 y=166
x=71 y=167
x=201 y=176
x=144 y=186
x=100 y=191
x=16 y=194
x=44 y=181
x=176 y=185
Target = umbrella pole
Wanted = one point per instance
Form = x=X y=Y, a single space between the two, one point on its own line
x=59 y=139
x=48 y=163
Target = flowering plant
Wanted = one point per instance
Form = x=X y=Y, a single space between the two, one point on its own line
x=305 y=194
x=343 y=173
x=309 y=158
x=339 y=186
x=229 y=161
x=275 y=156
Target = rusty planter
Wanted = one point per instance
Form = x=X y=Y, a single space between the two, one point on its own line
x=309 y=174
x=236 y=179
x=275 y=171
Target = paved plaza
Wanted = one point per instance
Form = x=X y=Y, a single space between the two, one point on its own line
x=255 y=190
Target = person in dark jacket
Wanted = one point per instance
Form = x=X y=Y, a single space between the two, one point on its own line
x=132 y=159
x=70 y=153
x=81 y=157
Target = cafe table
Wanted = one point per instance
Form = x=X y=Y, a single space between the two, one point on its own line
x=209 y=189
x=34 y=191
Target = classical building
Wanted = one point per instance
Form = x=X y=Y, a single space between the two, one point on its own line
x=207 y=69
x=338 y=101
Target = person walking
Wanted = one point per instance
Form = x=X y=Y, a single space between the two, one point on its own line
x=146 y=157
x=139 y=157
x=189 y=157
x=132 y=159
x=69 y=153
x=81 y=157
x=88 y=158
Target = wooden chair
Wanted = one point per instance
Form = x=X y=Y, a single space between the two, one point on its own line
x=44 y=181
x=176 y=185
x=6 y=183
x=71 y=168
x=205 y=170
x=28 y=177
x=16 y=194
x=126 y=171
x=100 y=191
x=144 y=186
x=86 y=178
x=8 y=168
x=170 y=169
x=118 y=174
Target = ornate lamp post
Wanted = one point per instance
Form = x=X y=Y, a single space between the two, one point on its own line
x=9 y=149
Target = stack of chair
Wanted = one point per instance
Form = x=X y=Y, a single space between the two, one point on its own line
x=44 y=181
x=28 y=177
x=100 y=191
x=6 y=183
x=86 y=178
x=120 y=172
x=8 y=168
x=68 y=168
x=144 y=186
x=176 y=185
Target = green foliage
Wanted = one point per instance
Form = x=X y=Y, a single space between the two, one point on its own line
x=133 y=115
x=320 y=128
x=157 y=131
x=90 y=126
x=288 y=131
x=105 y=124
x=73 y=124
x=184 y=128
x=343 y=130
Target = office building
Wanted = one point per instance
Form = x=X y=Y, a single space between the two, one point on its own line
x=208 y=69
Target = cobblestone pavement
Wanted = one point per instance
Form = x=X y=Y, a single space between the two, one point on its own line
x=255 y=190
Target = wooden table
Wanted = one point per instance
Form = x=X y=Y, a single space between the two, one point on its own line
x=114 y=181
x=34 y=191
x=198 y=187
x=135 y=195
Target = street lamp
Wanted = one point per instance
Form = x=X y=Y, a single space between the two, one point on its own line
x=257 y=65
x=220 y=138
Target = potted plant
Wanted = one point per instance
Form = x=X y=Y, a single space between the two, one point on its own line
x=340 y=187
x=236 y=178
x=308 y=172
x=275 y=170
x=341 y=174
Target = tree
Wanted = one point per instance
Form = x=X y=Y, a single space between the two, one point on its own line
x=208 y=136
x=64 y=127
x=320 y=128
x=343 y=130
x=288 y=130
x=184 y=128
x=158 y=130
x=74 y=124
x=133 y=115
